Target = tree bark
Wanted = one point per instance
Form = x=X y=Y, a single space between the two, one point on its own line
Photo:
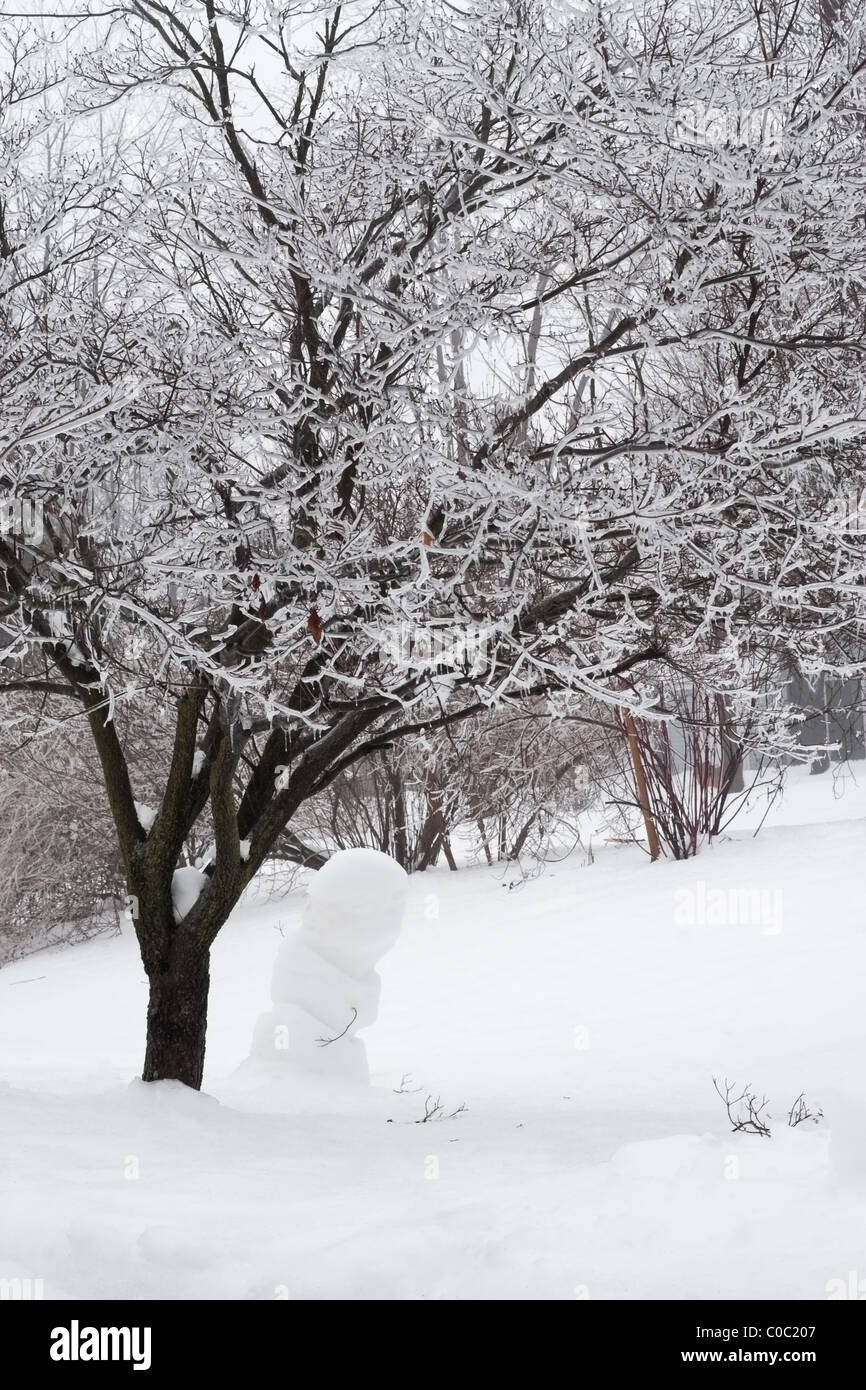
x=482 y=830
x=177 y=1016
x=398 y=804
x=517 y=847
x=641 y=786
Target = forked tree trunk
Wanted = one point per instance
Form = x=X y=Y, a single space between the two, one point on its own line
x=517 y=848
x=177 y=1015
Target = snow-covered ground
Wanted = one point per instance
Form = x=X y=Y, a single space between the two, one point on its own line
x=578 y=1018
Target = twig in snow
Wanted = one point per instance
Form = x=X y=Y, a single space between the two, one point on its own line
x=800 y=1113
x=751 y=1116
x=433 y=1111
x=326 y=1042
x=404 y=1089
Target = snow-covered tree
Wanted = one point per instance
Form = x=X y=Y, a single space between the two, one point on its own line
x=534 y=327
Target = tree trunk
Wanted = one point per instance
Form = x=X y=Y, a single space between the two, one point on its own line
x=640 y=782
x=517 y=847
x=437 y=815
x=482 y=830
x=398 y=806
x=177 y=1017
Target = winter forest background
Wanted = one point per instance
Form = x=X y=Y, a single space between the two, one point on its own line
x=437 y=429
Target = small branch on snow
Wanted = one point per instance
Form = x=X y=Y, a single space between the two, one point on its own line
x=433 y=1111
x=404 y=1089
x=751 y=1116
x=800 y=1112
x=326 y=1042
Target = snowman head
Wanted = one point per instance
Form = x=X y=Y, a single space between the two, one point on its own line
x=355 y=909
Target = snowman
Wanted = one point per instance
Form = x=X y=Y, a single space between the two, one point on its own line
x=325 y=987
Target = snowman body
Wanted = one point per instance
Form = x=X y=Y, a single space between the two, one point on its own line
x=325 y=987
